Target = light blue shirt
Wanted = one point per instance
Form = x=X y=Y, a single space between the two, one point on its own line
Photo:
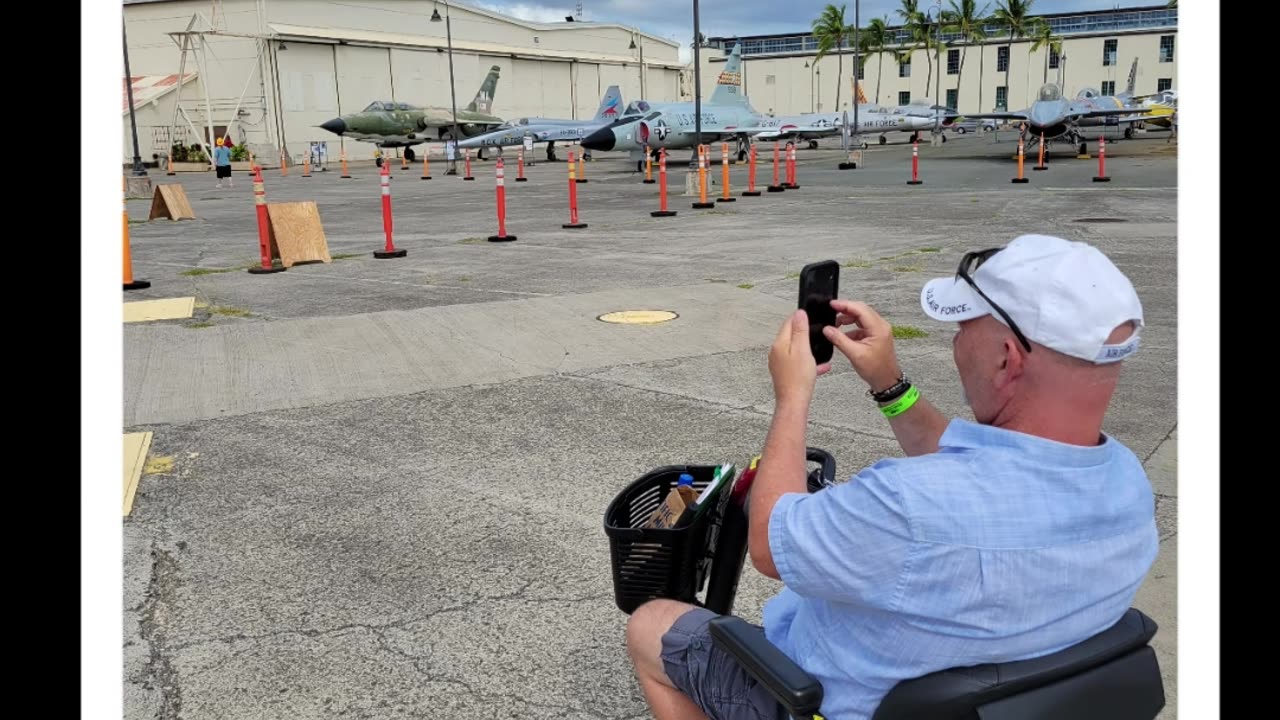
x=1000 y=546
x=221 y=155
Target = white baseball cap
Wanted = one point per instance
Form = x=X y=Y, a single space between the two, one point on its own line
x=1064 y=295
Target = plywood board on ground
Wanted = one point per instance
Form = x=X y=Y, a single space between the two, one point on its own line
x=170 y=201
x=297 y=234
x=164 y=309
x=136 y=446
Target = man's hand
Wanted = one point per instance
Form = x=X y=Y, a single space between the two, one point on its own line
x=869 y=346
x=791 y=362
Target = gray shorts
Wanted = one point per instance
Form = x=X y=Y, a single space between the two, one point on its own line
x=711 y=677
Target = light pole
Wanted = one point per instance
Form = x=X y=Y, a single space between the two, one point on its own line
x=935 y=14
x=857 y=67
x=138 y=169
x=818 y=70
x=453 y=95
x=697 y=76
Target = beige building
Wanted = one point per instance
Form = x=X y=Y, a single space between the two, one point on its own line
x=1098 y=50
x=268 y=72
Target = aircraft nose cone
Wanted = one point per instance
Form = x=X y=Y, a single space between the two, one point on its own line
x=602 y=140
x=337 y=126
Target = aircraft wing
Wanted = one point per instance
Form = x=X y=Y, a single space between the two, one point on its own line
x=789 y=129
x=995 y=116
x=1103 y=112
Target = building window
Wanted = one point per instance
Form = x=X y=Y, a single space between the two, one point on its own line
x=1002 y=99
x=1109 y=52
x=953 y=98
x=904 y=65
x=953 y=62
x=1166 y=48
x=862 y=70
x=1053 y=59
x=1002 y=59
x=1108 y=87
x=904 y=97
x=1163 y=84
x=770 y=79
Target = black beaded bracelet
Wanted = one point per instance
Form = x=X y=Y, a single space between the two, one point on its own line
x=893 y=392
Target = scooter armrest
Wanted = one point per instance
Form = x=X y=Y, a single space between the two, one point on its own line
x=794 y=688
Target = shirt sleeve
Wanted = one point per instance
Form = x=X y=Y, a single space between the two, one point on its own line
x=848 y=543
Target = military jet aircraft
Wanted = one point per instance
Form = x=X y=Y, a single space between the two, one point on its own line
x=549 y=130
x=390 y=124
x=728 y=115
x=1056 y=116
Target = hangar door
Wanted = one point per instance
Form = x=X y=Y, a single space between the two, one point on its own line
x=364 y=75
x=308 y=93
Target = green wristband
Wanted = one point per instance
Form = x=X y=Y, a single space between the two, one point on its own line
x=902 y=404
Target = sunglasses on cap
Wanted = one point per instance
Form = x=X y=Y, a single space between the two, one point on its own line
x=969 y=264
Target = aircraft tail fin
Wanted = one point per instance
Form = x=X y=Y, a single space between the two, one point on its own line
x=483 y=101
x=729 y=84
x=610 y=105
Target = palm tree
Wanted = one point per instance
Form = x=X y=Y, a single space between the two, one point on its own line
x=1015 y=15
x=965 y=18
x=1044 y=37
x=875 y=40
x=913 y=21
x=830 y=29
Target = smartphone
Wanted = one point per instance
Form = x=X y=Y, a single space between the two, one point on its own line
x=819 y=284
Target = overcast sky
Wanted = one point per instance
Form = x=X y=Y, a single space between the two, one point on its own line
x=673 y=19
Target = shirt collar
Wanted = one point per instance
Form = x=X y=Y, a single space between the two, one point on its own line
x=961 y=433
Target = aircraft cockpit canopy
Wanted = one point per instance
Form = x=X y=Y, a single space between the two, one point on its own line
x=636 y=107
x=386 y=105
x=1050 y=92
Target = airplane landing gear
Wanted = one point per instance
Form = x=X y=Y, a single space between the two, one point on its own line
x=883 y=139
x=409 y=154
x=551 y=152
x=813 y=144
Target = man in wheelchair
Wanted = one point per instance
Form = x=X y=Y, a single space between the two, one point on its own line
x=1016 y=536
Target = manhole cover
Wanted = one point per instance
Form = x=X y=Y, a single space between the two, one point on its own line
x=1101 y=220
x=638 y=317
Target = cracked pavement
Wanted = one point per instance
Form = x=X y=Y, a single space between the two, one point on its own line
x=389 y=476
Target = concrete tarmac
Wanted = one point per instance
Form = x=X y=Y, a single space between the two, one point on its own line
x=389 y=476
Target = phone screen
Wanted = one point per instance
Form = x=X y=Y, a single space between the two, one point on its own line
x=819 y=284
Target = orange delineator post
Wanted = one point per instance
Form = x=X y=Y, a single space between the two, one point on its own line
x=573 y=223
x=662 y=210
x=520 y=166
x=404 y=162
x=467 y=158
x=129 y=282
x=390 y=250
x=306 y=164
x=252 y=164
x=426 y=163
x=171 y=172
x=702 y=203
x=1021 y=151
x=344 y=174
x=582 y=168
x=284 y=166
x=751 y=190
x=791 y=167
x=1102 y=161
x=915 y=163
x=264 y=226
x=1041 y=166
x=776 y=186
x=502 y=235
x=724 y=175
x=648 y=166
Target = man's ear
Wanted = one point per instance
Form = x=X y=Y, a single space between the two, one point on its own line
x=1012 y=364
